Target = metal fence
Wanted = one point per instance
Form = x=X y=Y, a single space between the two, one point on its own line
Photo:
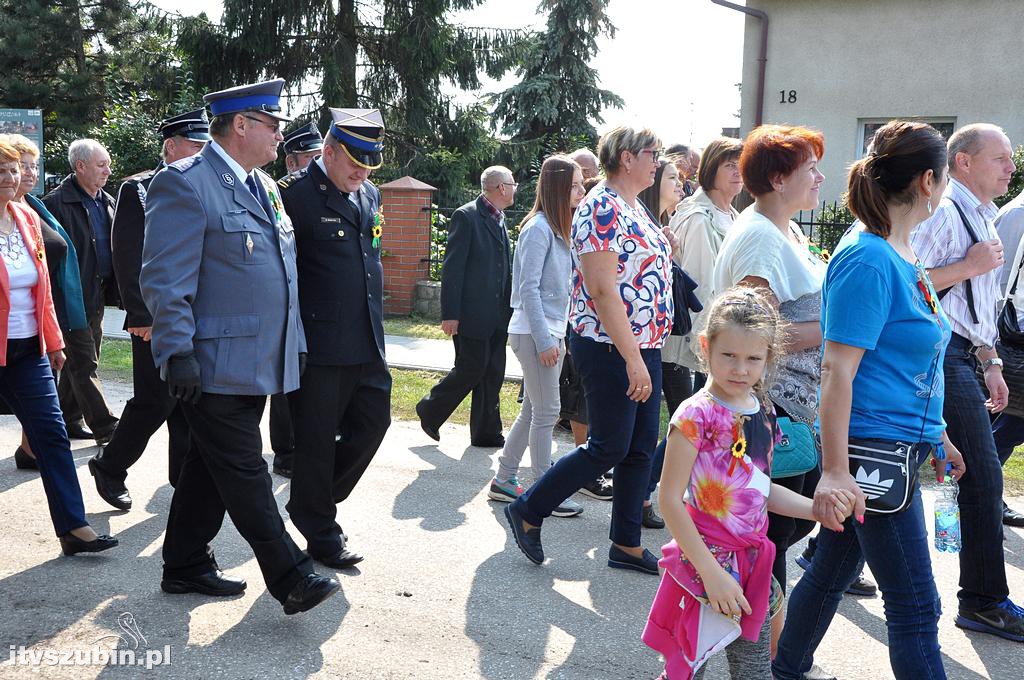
x=824 y=226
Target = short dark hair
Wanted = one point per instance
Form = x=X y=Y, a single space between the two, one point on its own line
x=221 y=125
x=720 y=150
x=677 y=150
x=900 y=152
x=772 y=151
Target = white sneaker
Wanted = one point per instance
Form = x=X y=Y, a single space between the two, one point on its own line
x=568 y=508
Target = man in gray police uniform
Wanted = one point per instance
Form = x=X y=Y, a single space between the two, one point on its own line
x=218 y=276
x=301 y=146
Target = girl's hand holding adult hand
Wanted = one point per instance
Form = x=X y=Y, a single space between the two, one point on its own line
x=639 y=380
x=725 y=594
x=832 y=486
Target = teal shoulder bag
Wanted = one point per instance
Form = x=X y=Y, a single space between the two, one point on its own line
x=795 y=453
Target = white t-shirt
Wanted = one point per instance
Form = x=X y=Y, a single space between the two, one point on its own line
x=754 y=246
x=21 y=271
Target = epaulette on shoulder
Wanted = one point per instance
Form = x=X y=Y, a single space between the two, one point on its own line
x=140 y=176
x=291 y=178
x=185 y=164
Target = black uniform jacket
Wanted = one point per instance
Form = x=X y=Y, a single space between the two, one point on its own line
x=126 y=238
x=341 y=281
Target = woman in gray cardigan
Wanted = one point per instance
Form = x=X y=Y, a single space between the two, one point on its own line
x=541 y=273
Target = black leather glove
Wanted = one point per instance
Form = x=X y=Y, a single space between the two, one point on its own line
x=302 y=363
x=183 y=377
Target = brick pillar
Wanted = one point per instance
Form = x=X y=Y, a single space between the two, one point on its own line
x=405 y=243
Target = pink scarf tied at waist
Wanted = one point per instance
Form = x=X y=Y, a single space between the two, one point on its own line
x=677 y=626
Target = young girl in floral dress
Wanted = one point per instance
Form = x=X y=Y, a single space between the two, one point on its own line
x=717 y=590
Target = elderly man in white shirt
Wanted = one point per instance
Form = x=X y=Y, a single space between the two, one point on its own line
x=960 y=247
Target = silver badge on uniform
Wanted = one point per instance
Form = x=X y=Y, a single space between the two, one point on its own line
x=249 y=245
x=228 y=178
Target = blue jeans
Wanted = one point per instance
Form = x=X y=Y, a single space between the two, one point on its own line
x=28 y=387
x=623 y=434
x=896 y=548
x=982 y=566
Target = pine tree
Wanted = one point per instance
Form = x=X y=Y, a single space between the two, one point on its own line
x=391 y=54
x=558 y=94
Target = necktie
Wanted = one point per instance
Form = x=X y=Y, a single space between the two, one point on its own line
x=250 y=182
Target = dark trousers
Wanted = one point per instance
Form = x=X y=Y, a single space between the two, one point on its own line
x=982 y=565
x=79 y=388
x=677 y=385
x=224 y=470
x=28 y=388
x=480 y=370
x=1008 y=433
x=623 y=434
x=282 y=437
x=353 y=402
x=150 y=407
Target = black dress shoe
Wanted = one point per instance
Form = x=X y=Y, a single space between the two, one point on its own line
x=309 y=592
x=282 y=470
x=651 y=519
x=489 y=442
x=432 y=431
x=110 y=489
x=78 y=431
x=343 y=559
x=1011 y=517
x=72 y=545
x=23 y=461
x=215 y=583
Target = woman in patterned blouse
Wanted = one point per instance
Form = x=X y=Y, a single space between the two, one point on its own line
x=620 y=314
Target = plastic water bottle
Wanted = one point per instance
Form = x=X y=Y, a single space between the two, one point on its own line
x=947 y=518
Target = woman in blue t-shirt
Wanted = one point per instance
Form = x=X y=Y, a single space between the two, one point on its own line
x=884 y=335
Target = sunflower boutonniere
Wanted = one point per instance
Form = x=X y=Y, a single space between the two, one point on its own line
x=819 y=252
x=378 y=227
x=739 y=447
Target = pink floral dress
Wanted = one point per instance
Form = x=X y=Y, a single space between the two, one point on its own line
x=732 y=489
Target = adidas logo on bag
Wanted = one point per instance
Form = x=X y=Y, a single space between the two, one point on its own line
x=871 y=484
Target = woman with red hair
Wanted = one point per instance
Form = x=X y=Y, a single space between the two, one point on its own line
x=765 y=249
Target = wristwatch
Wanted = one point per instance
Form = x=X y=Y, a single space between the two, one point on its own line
x=989 y=363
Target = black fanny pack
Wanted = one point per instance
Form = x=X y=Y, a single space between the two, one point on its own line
x=886 y=471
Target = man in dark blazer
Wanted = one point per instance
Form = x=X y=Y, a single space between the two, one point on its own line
x=476 y=288
x=183 y=135
x=301 y=146
x=86 y=212
x=342 y=410
x=218 y=276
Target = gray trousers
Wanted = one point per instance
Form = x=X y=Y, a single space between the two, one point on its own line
x=536 y=422
x=748 y=659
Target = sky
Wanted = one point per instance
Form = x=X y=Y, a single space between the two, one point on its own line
x=676 y=63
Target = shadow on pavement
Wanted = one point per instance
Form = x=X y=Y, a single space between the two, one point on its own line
x=433 y=497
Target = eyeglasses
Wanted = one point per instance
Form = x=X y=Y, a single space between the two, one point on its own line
x=655 y=154
x=514 y=185
x=275 y=126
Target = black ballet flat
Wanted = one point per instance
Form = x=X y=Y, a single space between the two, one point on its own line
x=23 y=461
x=72 y=545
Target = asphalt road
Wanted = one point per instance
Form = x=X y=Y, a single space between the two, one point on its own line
x=443 y=592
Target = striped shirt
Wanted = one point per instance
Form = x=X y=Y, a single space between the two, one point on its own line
x=942 y=240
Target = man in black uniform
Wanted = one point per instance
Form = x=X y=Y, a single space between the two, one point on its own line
x=301 y=146
x=184 y=135
x=342 y=408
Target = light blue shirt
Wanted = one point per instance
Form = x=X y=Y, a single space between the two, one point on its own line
x=872 y=299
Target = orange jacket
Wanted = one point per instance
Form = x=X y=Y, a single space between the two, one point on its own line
x=50 y=338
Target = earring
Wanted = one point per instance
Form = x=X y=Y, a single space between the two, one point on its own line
x=929 y=206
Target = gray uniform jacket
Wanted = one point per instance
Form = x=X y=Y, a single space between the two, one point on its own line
x=219 y=278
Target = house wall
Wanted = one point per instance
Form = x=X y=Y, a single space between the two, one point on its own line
x=855 y=60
